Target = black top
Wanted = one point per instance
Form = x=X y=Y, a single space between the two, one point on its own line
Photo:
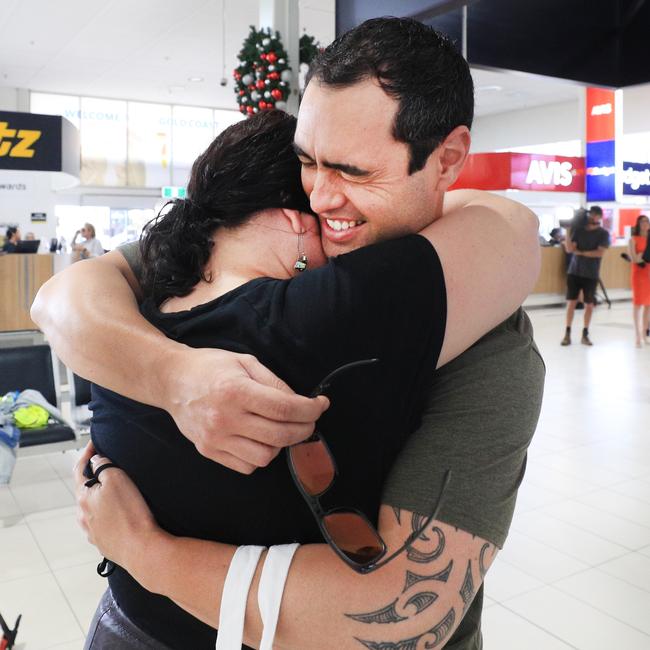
x=9 y=247
x=587 y=240
x=386 y=301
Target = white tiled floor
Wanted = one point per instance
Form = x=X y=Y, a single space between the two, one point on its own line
x=575 y=571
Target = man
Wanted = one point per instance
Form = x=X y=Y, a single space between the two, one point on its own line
x=383 y=131
x=586 y=244
x=12 y=237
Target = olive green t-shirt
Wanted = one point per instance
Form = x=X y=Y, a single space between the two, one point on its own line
x=479 y=419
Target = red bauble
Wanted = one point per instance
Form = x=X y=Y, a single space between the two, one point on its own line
x=249 y=110
x=242 y=93
x=276 y=93
x=263 y=56
x=251 y=87
x=242 y=109
x=262 y=106
x=273 y=75
x=260 y=84
x=271 y=57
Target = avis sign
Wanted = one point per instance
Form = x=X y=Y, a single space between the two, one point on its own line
x=541 y=173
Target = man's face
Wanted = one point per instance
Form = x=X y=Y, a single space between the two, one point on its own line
x=356 y=173
x=594 y=220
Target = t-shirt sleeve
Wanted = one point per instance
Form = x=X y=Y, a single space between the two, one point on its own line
x=480 y=417
x=131 y=253
x=387 y=301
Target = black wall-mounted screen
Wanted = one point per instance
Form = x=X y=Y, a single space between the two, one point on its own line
x=599 y=42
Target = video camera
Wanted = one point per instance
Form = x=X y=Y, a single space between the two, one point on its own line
x=579 y=220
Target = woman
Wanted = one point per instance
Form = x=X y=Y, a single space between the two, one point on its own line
x=640 y=279
x=224 y=269
x=90 y=247
x=12 y=237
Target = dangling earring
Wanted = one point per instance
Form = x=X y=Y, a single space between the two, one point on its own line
x=302 y=261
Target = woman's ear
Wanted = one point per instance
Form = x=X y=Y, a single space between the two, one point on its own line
x=296 y=219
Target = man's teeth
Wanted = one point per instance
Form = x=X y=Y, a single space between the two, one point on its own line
x=334 y=224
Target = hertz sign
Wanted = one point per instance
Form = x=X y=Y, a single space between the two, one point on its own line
x=32 y=142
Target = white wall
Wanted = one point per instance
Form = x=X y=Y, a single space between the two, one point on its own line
x=538 y=125
x=14 y=99
x=636 y=109
x=22 y=193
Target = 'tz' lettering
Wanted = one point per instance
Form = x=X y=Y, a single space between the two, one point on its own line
x=20 y=149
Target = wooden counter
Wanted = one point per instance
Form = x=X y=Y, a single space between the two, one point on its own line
x=614 y=271
x=21 y=276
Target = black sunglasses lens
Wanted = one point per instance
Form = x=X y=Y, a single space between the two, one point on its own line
x=354 y=537
x=313 y=466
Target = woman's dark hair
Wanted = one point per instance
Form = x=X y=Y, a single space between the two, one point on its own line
x=11 y=231
x=251 y=166
x=636 y=228
x=414 y=64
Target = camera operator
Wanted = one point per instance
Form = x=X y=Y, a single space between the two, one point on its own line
x=586 y=241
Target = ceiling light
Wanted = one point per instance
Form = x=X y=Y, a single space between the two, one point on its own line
x=195 y=79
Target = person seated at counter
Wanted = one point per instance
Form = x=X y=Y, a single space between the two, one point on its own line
x=556 y=237
x=30 y=236
x=89 y=247
x=12 y=237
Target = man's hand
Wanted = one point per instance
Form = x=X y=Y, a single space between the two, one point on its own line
x=235 y=410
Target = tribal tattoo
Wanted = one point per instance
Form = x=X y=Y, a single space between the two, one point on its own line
x=441 y=576
x=432 y=638
x=408 y=604
x=467 y=589
x=482 y=569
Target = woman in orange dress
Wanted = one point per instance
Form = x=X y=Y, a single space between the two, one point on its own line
x=640 y=278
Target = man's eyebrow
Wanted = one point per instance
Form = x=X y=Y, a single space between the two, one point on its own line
x=351 y=170
x=300 y=152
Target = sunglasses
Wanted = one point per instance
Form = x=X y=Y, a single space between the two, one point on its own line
x=348 y=531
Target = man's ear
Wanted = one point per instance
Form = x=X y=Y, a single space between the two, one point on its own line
x=295 y=218
x=451 y=155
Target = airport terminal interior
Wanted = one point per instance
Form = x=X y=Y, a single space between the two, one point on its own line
x=125 y=95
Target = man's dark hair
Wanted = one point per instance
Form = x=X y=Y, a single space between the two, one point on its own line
x=414 y=64
x=11 y=231
x=249 y=167
x=596 y=209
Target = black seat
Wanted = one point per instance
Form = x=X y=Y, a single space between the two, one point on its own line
x=31 y=367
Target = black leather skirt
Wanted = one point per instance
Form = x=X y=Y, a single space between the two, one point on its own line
x=110 y=629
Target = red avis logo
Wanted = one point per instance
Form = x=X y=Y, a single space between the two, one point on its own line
x=602 y=109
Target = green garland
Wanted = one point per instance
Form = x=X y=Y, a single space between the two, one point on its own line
x=262 y=78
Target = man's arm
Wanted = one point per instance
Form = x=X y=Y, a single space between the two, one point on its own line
x=599 y=252
x=89 y=313
x=569 y=244
x=420 y=597
x=489 y=250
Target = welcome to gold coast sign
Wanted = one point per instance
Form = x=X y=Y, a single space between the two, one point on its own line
x=32 y=142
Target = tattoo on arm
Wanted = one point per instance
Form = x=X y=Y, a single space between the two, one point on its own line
x=422 y=557
x=386 y=614
x=482 y=568
x=467 y=589
x=398 y=514
x=432 y=638
x=441 y=576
